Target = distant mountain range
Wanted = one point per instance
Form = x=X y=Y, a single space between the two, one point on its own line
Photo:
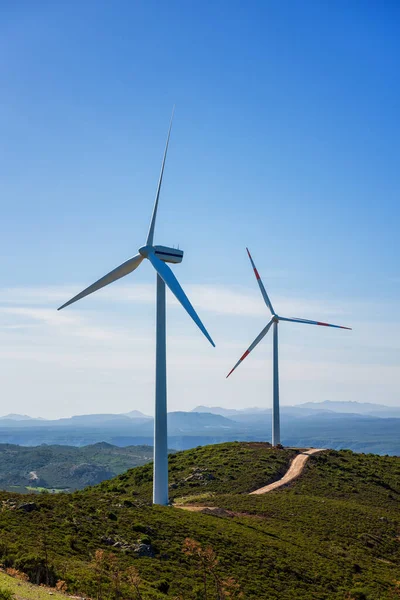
x=136 y=414
x=25 y=420
x=359 y=408
x=16 y=417
x=360 y=427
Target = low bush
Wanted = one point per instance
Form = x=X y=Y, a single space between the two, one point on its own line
x=6 y=594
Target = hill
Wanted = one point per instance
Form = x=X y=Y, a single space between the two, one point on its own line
x=359 y=408
x=17 y=417
x=332 y=535
x=300 y=427
x=65 y=467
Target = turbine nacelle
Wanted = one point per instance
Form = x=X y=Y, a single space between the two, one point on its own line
x=164 y=253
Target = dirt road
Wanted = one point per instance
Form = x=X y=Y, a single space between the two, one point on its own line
x=295 y=469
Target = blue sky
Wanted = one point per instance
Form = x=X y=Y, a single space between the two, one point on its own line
x=285 y=139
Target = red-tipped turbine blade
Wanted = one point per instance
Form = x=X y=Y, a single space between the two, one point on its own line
x=308 y=322
x=253 y=345
x=261 y=285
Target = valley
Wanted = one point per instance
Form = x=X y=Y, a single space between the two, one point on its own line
x=65 y=468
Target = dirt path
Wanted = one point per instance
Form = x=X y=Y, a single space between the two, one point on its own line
x=296 y=468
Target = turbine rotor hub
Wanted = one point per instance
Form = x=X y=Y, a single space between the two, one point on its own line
x=145 y=250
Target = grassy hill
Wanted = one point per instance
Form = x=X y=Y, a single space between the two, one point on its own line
x=65 y=467
x=334 y=534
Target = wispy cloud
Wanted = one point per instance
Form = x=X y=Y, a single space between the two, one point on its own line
x=69 y=323
x=99 y=355
x=217 y=299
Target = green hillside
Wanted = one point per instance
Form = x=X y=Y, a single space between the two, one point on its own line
x=25 y=468
x=334 y=534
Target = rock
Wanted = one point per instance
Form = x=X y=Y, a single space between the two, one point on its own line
x=140 y=549
x=108 y=541
x=199 y=475
x=28 y=507
x=143 y=550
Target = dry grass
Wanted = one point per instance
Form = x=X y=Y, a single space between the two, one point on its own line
x=28 y=591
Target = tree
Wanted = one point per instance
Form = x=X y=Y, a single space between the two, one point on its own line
x=133 y=578
x=208 y=563
x=98 y=566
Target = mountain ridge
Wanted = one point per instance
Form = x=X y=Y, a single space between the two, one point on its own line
x=300 y=427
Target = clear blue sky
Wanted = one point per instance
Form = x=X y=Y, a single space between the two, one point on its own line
x=286 y=139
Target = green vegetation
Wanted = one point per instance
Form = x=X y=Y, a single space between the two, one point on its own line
x=11 y=588
x=333 y=535
x=64 y=468
x=6 y=594
x=236 y=467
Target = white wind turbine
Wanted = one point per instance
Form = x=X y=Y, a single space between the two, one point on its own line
x=276 y=434
x=158 y=256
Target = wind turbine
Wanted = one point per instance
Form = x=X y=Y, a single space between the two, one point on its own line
x=158 y=257
x=276 y=434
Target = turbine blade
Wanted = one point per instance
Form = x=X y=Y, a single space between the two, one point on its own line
x=261 y=285
x=124 y=269
x=150 y=235
x=253 y=345
x=308 y=322
x=171 y=281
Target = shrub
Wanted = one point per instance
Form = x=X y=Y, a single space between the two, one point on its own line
x=163 y=586
x=145 y=539
x=61 y=586
x=358 y=594
x=139 y=527
x=37 y=569
x=17 y=574
x=6 y=594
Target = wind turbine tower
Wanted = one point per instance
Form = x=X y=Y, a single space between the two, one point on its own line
x=158 y=256
x=275 y=319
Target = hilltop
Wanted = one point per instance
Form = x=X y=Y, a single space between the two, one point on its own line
x=333 y=534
